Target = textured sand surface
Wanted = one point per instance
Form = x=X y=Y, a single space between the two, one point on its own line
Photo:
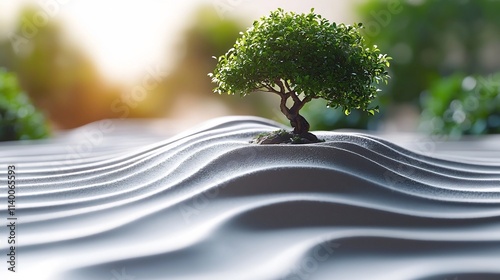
x=205 y=204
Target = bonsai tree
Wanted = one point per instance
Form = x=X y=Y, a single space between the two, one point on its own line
x=301 y=57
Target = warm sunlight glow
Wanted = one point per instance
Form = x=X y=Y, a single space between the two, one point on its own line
x=124 y=38
x=127 y=37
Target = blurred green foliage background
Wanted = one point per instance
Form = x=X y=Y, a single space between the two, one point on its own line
x=460 y=104
x=19 y=120
x=430 y=42
x=445 y=60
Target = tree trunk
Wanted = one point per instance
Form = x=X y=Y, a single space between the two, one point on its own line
x=299 y=124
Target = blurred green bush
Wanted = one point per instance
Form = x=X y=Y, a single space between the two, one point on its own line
x=431 y=39
x=428 y=41
x=19 y=120
x=462 y=105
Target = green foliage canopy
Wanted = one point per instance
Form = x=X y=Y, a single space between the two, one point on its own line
x=308 y=55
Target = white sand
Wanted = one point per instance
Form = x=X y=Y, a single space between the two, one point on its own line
x=206 y=204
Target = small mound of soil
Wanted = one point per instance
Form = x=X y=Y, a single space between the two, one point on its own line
x=285 y=137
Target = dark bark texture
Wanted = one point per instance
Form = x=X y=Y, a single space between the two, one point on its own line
x=299 y=123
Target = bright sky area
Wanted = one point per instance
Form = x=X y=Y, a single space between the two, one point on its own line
x=125 y=37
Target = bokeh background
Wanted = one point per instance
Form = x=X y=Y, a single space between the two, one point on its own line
x=67 y=63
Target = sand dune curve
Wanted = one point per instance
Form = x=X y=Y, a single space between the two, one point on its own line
x=207 y=204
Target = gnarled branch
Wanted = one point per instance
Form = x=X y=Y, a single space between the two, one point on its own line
x=280 y=84
x=284 y=108
x=295 y=97
x=288 y=87
x=271 y=89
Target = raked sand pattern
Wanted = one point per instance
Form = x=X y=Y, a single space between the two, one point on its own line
x=206 y=204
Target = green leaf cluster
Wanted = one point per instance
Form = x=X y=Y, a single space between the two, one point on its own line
x=314 y=57
x=19 y=120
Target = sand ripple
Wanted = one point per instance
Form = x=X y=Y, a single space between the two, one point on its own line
x=206 y=204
